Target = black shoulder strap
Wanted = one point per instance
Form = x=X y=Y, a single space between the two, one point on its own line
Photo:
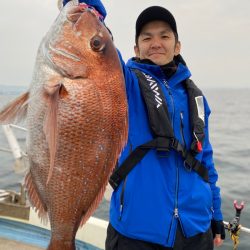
x=120 y=173
x=156 y=105
x=197 y=114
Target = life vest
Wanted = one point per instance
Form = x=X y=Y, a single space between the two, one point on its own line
x=161 y=128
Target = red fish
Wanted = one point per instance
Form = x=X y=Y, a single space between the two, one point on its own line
x=76 y=115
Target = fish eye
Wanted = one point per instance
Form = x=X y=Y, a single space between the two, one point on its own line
x=97 y=44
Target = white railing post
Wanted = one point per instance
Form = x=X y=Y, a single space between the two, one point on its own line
x=21 y=163
x=13 y=143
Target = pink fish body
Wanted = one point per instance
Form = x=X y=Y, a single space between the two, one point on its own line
x=77 y=121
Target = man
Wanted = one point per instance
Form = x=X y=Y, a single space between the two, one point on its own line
x=165 y=193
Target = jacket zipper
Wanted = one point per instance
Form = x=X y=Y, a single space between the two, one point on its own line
x=183 y=232
x=123 y=188
x=122 y=198
x=176 y=211
x=182 y=129
x=172 y=101
x=175 y=214
x=170 y=228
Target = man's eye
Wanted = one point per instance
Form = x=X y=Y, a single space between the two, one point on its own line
x=165 y=37
x=146 y=38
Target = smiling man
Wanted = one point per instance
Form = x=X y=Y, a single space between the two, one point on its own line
x=165 y=184
x=157 y=39
x=165 y=194
x=157 y=42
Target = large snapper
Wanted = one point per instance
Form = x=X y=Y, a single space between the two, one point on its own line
x=77 y=121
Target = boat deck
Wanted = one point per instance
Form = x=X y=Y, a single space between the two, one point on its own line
x=16 y=235
x=14 y=245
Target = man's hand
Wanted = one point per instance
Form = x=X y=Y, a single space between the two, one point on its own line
x=217 y=240
x=218 y=232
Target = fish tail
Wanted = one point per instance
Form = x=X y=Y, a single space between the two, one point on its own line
x=56 y=244
x=15 y=111
x=52 y=94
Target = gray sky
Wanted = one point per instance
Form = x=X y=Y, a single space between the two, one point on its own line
x=215 y=36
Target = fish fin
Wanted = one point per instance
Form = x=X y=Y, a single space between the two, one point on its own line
x=52 y=94
x=15 y=111
x=35 y=200
x=94 y=205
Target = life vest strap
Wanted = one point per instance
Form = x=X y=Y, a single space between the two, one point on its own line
x=160 y=144
x=191 y=163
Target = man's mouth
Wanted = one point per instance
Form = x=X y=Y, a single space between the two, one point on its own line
x=155 y=53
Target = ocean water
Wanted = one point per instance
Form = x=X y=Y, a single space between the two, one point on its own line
x=229 y=135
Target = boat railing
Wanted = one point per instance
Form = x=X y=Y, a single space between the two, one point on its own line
x=21 y=163
x=12 y=140
x=242 y=229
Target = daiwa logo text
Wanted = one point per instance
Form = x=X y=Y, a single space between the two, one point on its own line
x=154 y=88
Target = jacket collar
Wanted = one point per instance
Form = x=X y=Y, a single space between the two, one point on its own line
x=182 y=72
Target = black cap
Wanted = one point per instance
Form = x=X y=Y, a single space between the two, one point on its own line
x=154 y=13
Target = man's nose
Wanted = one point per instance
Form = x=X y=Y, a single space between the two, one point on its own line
x=155 y=43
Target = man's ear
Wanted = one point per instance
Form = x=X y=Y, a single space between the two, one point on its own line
x=177 y=50
x=136 y=50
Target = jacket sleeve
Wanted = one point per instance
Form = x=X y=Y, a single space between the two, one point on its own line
x=208 y=161
x=128 y=75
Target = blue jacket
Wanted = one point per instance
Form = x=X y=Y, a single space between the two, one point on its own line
x=160 y=191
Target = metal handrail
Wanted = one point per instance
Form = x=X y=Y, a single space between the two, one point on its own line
x=5 y=150
x=12 y=140
x=18 y=127
x=20 y=157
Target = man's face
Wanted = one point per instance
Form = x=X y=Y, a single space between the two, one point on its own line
x=157 y=43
